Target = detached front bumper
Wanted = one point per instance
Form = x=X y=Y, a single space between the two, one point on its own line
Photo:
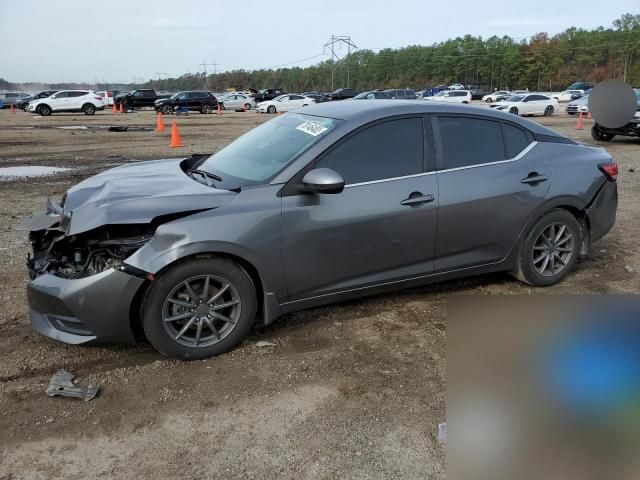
x=92 y=309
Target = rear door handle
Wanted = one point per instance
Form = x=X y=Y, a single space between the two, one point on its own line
x=534 y=178
x=416 y=199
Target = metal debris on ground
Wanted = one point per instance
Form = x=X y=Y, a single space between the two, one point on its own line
x=129 y=128
x=262 y=343
x=61 y=383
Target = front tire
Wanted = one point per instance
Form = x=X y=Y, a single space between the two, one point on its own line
x=599 y=135
x=247 y=106
x=513 y=110
x=44 y=110
x=271 y=109
x=199 y=308
x=488 y=100
x=550 y=249
x=167 y=109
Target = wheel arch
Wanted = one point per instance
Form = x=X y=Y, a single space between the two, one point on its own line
x=268 y=305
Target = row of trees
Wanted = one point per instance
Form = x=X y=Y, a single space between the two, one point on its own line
x=543 y=62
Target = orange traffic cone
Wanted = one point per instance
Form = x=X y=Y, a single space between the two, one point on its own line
x=121 y=108
x=13 y=108
x=114 y=109
x=579 y=124
x=175 y=136
x=219 y=110
x=244 y=107
x=159 y=123
x=589 y=115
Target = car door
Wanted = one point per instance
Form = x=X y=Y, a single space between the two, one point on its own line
x=380 y=228
x=76 y=100
x=59 y=101
x=533 y=104
x=282 y=104
x=491 y=178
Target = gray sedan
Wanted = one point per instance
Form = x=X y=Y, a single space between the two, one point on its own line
x=343 y=200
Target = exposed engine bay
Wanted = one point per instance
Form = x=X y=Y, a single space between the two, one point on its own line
x=83 y=255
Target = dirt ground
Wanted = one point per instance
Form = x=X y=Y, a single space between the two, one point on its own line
x=354 y=390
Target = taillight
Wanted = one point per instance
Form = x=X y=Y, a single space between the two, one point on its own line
x=610 y=170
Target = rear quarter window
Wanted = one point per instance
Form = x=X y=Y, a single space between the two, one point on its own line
x=515 y=140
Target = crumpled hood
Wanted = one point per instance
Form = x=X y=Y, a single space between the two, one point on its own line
x=137 y=193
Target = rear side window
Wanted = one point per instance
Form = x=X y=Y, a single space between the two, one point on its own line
x=469 y=141
x=385 y=150
x=515 y=139
x=77 y=94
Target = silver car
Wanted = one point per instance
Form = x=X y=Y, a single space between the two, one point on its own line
x=236 y=101
x=338 y=201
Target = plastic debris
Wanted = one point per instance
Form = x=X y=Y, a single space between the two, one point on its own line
x=61 y=383
x=263 y=343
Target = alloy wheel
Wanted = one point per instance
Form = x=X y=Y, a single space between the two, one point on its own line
x=201 y=311
x=552 y=249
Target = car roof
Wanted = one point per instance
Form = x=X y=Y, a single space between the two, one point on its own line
x=364 y=112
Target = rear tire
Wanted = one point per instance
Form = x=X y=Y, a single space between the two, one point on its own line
x=206 y=108
x=200 y=308
x=548 y=111
x=247 y=106
x=89 y=109
x=550 y=249
x=599 y=135
x=488 y=100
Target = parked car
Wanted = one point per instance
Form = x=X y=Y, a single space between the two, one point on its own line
x=567 y=95
x=309 y=209
x=496 y=96
x=284 y=103
x=451 y=96
x=317 y=97
x=401 y=93
x=584 y=86
x=533 y=104
x=269 y=94
x=456 y=86
x=630 y=129
x=342 y=94
x=201 y=101
x=580 y=105
x=108 y=96
x=373 y=95
x=143 y=97
x=23 y=103
x=477 y=92
x=236 y=101
x=85 y=101
x=11 y=98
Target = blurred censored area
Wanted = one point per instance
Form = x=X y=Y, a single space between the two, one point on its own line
x=543 y=387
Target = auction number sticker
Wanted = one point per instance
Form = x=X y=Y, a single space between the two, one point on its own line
x=311 y=128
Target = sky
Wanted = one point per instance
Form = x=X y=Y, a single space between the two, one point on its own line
x=125 y=41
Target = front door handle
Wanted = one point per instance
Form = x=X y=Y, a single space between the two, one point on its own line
x=534 y=178
x=416 y=199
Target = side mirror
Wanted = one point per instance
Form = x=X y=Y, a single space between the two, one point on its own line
x=322 y=180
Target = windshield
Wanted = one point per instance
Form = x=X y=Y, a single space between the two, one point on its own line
x=261 y=153
x=515 y=98
x=361 y=95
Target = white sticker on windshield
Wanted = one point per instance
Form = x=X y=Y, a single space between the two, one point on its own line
x=311 y=128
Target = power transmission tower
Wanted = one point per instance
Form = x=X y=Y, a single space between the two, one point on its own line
x=337 y=42
x=204 y=65
x=161 y=73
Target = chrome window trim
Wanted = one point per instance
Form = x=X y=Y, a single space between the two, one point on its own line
x=526 y=150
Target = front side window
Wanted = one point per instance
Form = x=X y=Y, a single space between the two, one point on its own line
x=261 y=153
x=469 y=141
x=385 y=150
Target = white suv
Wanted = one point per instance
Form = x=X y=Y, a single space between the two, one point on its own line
x=453 y=96
x=85 y=101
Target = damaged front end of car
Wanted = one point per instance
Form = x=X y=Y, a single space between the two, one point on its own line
x=84 y=254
